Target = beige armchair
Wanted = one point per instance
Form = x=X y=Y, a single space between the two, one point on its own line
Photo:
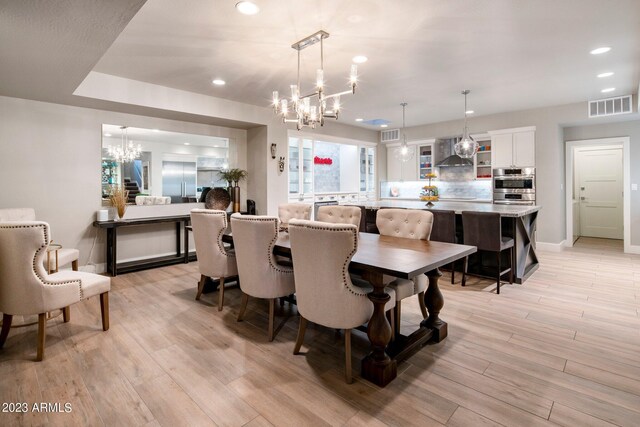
x=289 y=211
x=409 y=224
x=65 y=255
x=26 y=288
x=214 y=260
x=335 y=214
x=260 y=275
x=325 y=292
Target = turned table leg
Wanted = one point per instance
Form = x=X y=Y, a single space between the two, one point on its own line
x=434 y=301
x=377 y=366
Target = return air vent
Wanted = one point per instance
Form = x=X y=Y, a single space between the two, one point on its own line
x=610 y=106
x=390 y=135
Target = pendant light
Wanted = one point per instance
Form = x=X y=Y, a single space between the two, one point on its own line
x=404 y=153
x=467 y=147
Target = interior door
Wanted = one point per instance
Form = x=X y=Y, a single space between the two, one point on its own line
x=599 y=176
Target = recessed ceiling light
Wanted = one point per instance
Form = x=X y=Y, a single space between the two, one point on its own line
x=107 y=135
x=218 y=82
x=469 y=112
x=186 y=143
x=384 y=126
x=600 y=50
x=607 y=74
x=359 y=59
x=247 y=8
x=359 y=120
x=609 y=89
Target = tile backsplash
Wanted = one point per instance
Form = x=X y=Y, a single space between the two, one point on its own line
x=458 y=185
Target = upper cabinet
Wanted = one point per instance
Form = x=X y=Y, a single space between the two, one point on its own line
x=513 y=147
x=397 y=170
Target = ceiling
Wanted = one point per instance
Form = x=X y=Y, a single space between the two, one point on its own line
x=156 y=135
x=513 y=55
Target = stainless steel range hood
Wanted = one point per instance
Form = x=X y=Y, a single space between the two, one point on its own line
x=453 y=160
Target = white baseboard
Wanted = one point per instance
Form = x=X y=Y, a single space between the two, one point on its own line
x=550 y=247
x=632 y=249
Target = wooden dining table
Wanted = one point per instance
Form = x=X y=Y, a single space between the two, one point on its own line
x=377 y=256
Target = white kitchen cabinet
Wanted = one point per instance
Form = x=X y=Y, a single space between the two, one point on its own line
x=513 y=147
x=398 y=170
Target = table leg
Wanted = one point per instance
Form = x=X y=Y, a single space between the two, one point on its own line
x=377 y=366
x=434 y=301
x=186 y=243
x=178 y=242
x=114 y=251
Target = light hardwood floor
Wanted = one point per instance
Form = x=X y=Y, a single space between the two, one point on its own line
x=564 y=348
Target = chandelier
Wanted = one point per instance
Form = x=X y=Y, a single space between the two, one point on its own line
x=467 y=147
x=126 y=152
x=311 y=108
x=404 y=153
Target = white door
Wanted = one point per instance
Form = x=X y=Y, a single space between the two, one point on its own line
x=524 y=152
x=599 y=177
x=502 y=150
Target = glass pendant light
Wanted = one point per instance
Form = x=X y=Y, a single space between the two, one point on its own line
x=404 y=153
x=467 y=147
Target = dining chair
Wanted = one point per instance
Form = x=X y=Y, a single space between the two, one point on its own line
x=408 y=224
x=260 y=274
x=484 y=230
x=326 y=293
x=336 y=214
x=289 y=211
x=26 y=288
x=214 y=259
x=444 y=230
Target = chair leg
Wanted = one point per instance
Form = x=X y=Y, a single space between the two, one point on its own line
x=42 y=333
x=104 y=309
x=203 y=279
x=66 y=314
x=243 y=306
x=465 y=264
x=347 y=355
x=6 y=325
x=74 y=265
x=302 y=328
x=423 y=308
x=499 y=268
x=221 y=294
x=272 y=308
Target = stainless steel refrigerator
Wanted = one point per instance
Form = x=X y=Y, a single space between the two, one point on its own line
x=179 y=180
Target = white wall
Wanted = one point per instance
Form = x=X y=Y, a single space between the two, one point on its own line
x=50 y=160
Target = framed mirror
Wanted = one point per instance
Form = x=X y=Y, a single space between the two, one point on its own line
x=161 y=167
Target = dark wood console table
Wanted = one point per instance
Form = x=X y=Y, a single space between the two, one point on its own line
x=113 y=267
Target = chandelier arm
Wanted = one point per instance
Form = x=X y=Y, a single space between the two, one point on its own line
x=346 y=92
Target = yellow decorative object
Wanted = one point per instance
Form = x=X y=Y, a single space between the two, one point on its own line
x=429 y=192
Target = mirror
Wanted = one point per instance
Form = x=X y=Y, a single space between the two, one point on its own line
x=161 y=167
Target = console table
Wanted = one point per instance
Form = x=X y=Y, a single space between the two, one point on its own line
x=113 y=267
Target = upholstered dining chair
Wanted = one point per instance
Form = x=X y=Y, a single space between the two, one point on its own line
x=289 y=211
x=325 y=292
x=409 y=224
x=260 y=274
x=65 y=255
x=26 y=288
x=214 y=259
x=336 y=214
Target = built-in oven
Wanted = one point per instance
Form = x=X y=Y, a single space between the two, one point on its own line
x=514 y=186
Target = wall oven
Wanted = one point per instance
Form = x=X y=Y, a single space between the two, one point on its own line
x=514 y=186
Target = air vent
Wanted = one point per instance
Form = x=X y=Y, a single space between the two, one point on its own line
x=390 y=135
x=610 y=106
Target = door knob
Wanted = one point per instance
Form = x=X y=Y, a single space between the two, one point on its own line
x=583 y=198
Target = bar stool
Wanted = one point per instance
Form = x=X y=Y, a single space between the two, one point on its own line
x=484 y=230
x=444 y=230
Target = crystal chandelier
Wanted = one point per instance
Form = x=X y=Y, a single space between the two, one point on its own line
x=126 y=152
x=299 y=108
x=467 y=147
x=404 y=153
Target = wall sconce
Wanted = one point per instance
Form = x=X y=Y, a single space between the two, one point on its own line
x=281 y=164
x=274 y=150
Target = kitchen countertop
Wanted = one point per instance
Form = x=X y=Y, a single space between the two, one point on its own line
x=504 y=210
x=442 y=199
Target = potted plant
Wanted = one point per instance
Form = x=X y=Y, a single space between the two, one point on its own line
x=118 y=198
x=233 y=177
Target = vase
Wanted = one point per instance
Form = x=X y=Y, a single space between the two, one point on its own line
x=236 y=199
x=120 y=210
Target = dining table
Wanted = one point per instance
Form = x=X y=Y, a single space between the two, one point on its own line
x=375 y=257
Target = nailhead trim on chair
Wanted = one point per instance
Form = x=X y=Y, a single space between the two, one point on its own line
x=43 y=247
x=226 y=225
x=253 y=218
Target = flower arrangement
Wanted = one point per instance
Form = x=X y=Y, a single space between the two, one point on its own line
x=429 y=192
x=118 y=198
x=233 y=176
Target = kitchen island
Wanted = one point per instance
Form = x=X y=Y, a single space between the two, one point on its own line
x=518 y=222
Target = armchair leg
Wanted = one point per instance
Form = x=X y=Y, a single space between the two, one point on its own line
x=423 y=308
x=221 y=294
x=203 y=279
x=42 y=333
x=104 y=309
x=6 y=325
x=74 y=265
x=272 y=307
x=302 y=328
x=347 y=355
x=66 y=314
x=243 y=306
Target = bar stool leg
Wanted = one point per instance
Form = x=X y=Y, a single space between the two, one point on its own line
x=464 y=271
x=499 y=267
x=512 y=266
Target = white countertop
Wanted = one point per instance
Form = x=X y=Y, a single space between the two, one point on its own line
x=458 y=207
